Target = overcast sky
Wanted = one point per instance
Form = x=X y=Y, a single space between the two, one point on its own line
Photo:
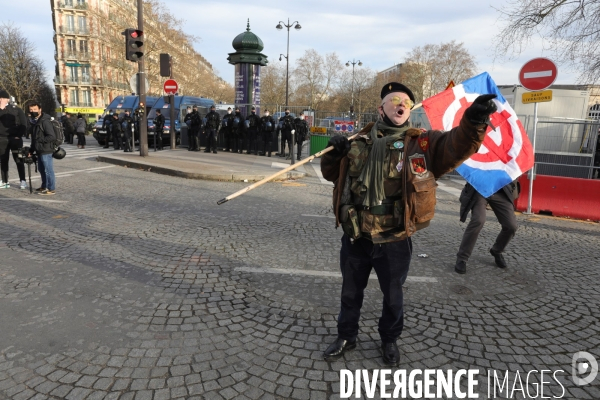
x=379 y=33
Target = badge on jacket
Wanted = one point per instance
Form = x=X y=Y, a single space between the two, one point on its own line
x=423 y=143
x=418 y=165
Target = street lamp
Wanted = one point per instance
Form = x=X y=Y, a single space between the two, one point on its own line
x=353 y=62
x=297 y=26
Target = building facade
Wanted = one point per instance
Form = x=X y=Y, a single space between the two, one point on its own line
x=91 y=69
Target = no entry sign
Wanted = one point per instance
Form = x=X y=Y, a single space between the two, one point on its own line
x=170 y=86
x=538 y=74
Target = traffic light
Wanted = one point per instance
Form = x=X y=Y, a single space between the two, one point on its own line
x=165 y=64
x=134 y=44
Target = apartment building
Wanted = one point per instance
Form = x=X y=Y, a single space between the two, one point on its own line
x=91 y=69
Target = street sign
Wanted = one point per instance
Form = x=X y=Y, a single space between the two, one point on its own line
x=538 y=74
x=170 y=86
x=318 y=129
x=133 y=83
x=537 y=97
x=344 y=126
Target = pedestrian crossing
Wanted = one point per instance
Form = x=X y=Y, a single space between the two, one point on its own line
x=89 y=152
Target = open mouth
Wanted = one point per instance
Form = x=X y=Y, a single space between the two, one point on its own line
x=400 y=112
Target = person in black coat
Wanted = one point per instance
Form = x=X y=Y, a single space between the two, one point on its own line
x=195 y=122
x=127 y=128
x=115 y=129
x=159 y=125
x=227 y=129
x=301 y=127
x=213 y=123
x=13 y=125
x=267 y=127
x=287 y=124
x=502 y=203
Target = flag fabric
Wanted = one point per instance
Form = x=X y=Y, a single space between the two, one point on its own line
x=505 y=154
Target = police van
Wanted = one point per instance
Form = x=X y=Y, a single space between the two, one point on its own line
x=181 y=105
x=119 y=105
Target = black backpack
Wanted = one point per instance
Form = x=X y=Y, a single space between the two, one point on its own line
x=59 y=132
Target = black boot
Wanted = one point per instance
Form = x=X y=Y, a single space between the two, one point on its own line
x=268 y=149
x=390 y=353
x=240 y=146
x=338 y=348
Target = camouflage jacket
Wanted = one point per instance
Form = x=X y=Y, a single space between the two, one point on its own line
x=413 y=166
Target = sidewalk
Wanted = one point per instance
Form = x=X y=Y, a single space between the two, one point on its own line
x=208 y=166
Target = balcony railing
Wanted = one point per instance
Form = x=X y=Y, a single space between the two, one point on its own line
x=69 y=30
x=83 y=6
x=78 y=55
x=81 y=80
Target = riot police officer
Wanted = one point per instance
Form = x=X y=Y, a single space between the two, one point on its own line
x=106 y=127
x=238 y=131
x=267 y=125
x=287 y=124
x=253 y=129
x=195 y=122
x=301 y=127
x=115 y=129
x=213 y=121
x=159 y=125
x=227 y=129
x=126 y=127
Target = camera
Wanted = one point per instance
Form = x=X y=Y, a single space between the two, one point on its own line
x=24 y=156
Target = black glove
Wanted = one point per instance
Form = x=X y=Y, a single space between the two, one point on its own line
x=479 y=112
x=340 y=144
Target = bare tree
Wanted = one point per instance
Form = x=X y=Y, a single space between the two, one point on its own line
x=569 y=30
x=430 y=68
x=315 y=77
x=366 y=90
x=22 y=73
x=272 y=84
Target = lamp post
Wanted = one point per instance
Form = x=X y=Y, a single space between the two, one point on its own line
x=297 y=26
x=353 y=62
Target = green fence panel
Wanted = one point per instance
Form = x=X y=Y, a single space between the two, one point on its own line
x=318 y=143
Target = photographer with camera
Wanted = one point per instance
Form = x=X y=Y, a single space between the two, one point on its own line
x=43 y=141
x=13 y=125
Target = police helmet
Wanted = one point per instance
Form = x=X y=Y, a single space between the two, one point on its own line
x=247 y=124
x=59 y=153
x=236 y=122
x=280 y=125
x=204 y=121
x=268 y=126
x=224 y=123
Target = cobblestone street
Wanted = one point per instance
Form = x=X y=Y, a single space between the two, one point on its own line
x=132 y=285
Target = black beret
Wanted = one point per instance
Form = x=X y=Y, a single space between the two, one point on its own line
x=4 y=94
x=396 y=87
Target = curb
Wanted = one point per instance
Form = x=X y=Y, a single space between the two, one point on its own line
x=236 y=177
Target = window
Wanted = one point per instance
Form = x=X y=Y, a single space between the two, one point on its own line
x=70 y=23
x=83 y=47
x=71 y=48
x=73 y=74
x=86 y=98
x=85 y=74
x=74 y=97
x=82 y=24
x=80 y=3
x=68 y=3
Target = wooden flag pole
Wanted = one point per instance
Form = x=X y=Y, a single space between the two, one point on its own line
x=288 y=169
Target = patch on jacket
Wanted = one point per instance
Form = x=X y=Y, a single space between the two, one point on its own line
x=423 y=143
x=418 y=165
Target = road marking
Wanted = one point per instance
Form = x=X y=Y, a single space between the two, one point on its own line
x=318 y=216
x=538 y=74
x=276 y=164
x=448 y=189
x=69 y=173
x=38 y=200
x=324 y=274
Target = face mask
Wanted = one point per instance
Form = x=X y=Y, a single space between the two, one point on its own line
x=287 y=113
x=228 y=111
x=302 y=117
x=266 y=114
x=253 y=112
x=34 y=114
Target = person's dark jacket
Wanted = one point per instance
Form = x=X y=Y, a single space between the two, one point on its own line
x=79 y=125
x=195 y=118
x=68 y=125
x=467 y=197
x=301 y=127
x=13 y=122
x=442 y=152
x=42 y=136
x=159 y=123
x=287 y=123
